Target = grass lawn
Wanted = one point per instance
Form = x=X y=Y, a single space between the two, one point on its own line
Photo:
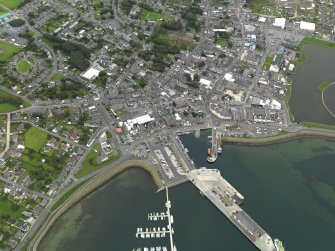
x=11 y=4
x=22 y=177
x=318 y=125
x=322 y=86
x=47 y=41
x=287 y=100
x=66 y=196
x=268 y=62
x=24 y=66
x=9 y=102
x=222 y=42
x=90 y=164
x=6 y=209
x=54 y=23
x=35 y=138
x=317 y=41
x=7 y=50
x=257 y=5
x=151 y=15
x=58 y=76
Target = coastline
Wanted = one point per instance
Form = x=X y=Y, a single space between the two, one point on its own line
x=305 y=133
x=92 y=185
x=101 y=179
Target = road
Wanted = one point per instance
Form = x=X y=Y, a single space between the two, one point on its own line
x=7 y=136
x=12 y=183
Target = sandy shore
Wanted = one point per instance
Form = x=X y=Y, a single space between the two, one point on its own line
x=93 y=184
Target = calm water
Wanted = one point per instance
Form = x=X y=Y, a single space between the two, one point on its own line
x=305 y=102
x=329 y=98
x=289 y=190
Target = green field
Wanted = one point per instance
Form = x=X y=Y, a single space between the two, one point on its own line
x=152 y=16
x=35 y=138
x=7 y=50
x=24 y=66
x=11 y=4
x=90 y=164
x=7 y=210
x=9 y=102
x=268 y=62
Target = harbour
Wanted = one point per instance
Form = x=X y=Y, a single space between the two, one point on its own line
x=268 y=201
x=227 y=199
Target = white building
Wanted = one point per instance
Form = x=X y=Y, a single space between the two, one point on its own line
x=262 y=19
x=307 y=26
x=279 y=22
x=91 y=73
x=138 y=121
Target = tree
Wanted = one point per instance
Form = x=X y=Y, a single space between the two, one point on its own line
x=16 y=22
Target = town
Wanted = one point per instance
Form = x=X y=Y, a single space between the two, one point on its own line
x=86 y=85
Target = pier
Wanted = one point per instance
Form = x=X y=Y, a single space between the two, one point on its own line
x=216 y=139
x=159 y=232
x=227 y=199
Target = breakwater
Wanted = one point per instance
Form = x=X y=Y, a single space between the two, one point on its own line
x=306 y=133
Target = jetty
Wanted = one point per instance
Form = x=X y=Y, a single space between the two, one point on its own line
x=228 y=200
x=159 y=232
x=216 y=147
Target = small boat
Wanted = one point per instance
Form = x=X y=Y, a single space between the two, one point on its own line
x=279 y=245
x=219 y=150
x=211 y=159
x=209 y=151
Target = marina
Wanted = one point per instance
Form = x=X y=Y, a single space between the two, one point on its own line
x=159 y=232
x=272 y=204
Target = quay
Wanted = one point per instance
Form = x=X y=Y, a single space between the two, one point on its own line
x=227 y=199
x=216 y=139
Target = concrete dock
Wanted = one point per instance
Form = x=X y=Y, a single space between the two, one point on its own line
x=227 y=199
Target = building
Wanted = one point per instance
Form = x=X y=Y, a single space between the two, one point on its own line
x=91 y=73
x=307 y=26
x=262 y=19
x=138 y=121
x=279 y=22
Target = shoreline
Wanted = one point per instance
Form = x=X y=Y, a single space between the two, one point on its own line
x=101 y=179
x=305 y=133
x=92 y=185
